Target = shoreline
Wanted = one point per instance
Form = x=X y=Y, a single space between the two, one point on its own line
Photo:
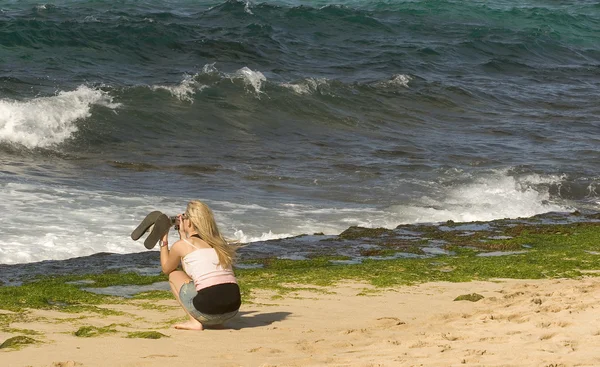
x=517 y=323
x=533 y=304
x=352 y=246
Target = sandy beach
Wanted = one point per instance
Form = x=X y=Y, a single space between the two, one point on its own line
x=517 y=323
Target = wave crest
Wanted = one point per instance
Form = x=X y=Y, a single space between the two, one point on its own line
x=185 y=90
x=485 y=197
x=46 y=121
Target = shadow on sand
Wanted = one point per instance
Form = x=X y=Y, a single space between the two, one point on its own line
x=250 y=319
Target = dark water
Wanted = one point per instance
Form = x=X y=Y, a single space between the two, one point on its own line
x=290 y=117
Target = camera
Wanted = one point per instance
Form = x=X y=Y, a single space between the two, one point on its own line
x=175 y=222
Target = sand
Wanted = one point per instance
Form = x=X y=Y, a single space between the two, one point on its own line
x=518 y=323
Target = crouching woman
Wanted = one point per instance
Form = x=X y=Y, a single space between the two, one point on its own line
x=206 y=288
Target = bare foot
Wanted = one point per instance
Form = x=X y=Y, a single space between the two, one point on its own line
x=190 y=325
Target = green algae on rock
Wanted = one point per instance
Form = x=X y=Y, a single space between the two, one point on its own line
x=147 y=335
x=92 y=331
x=355 y=232
x=473 y=297
x=17 y=341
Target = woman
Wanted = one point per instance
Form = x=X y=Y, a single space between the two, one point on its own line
x=206 y=288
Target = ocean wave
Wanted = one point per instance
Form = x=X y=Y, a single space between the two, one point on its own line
x=467 y=197
x=254 y=82
x=185 y=90
x=254 y=79
x=153 y=25
x=576 y=188
x=398 y=80
x=46 y=121
x=307 y=86
x=325 y=86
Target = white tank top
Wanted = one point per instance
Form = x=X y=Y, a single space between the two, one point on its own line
x=202 y=265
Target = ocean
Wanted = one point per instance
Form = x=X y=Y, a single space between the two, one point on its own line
x=290 y=117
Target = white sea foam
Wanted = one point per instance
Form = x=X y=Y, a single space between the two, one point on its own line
x=307 y=86
x=42 y=222
x=185 y=90
x=252 y=78
x=397 y=80
x=492 y=196
x=45 y=121
x=243 y=238
x=210 y=69
x=247 y=7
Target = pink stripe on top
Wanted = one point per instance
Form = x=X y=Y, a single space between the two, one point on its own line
x=202 y=265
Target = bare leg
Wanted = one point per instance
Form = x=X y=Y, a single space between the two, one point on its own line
x=176 y=279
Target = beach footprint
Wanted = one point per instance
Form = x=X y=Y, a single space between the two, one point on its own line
x=66 y=364
x=388 y=322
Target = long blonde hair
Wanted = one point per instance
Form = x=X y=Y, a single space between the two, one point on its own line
x=204 y=223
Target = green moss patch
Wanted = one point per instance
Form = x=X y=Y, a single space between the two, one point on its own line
x=47 y=294
x=550 y=254
x=93 y=331
x=63 y=293
x=20 y=331
x=153 y=306
x=473 y=297
x=8 y=318
x=377 y=252
x=147 y=335
x=354 y=232
x=17 y=342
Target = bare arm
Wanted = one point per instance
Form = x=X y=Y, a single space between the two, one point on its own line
x=170 y=259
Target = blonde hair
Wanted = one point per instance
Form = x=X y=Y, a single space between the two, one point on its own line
x=204 y=223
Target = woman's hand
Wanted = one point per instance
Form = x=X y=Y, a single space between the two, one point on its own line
x=181 y=231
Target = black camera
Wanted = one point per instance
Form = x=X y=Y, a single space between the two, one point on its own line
x=174 y=220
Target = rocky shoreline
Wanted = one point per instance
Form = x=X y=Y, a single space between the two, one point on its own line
x=352 y=246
